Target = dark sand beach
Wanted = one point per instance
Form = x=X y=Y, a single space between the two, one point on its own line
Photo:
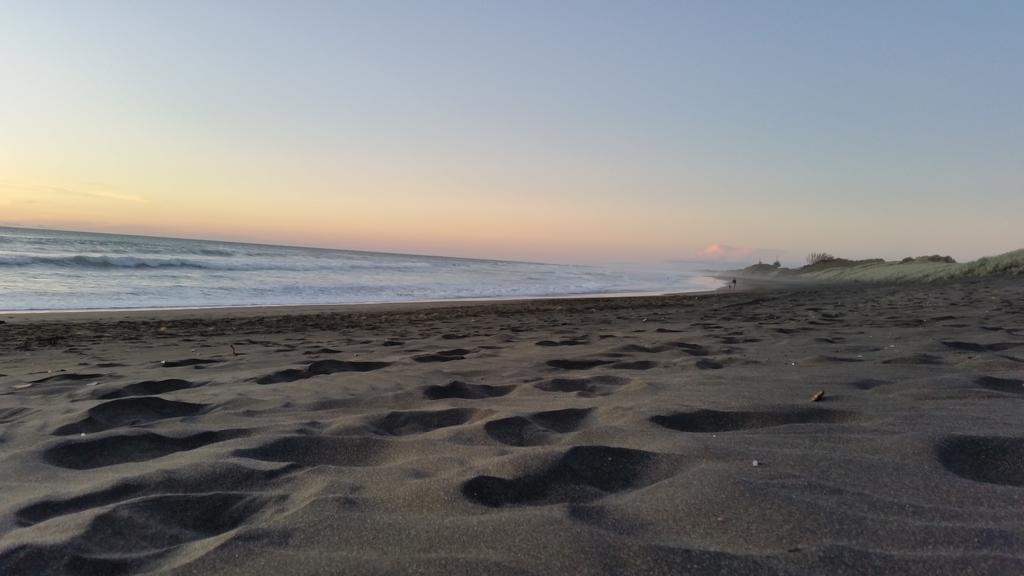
x=644 y=435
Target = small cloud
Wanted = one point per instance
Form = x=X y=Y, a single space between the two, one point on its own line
x=125 y=197
x=102 y=194
x=718 y=251
x=99 y=194
x=726 y=253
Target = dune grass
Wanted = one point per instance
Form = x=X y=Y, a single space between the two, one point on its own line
x=1008 y=264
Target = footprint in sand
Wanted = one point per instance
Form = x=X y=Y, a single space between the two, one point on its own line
x=130 y=412
x=915 y=360
x=8 y=415
x=67 y=377
x=443 y=356
x=635 y=365
x=321 y=351
x=420 y=421
x=1009 y=385
x=320 y=368
x=194 y=362
x=153 y=526
x=704 y=421
x=457 y=389
x=975 y=347
x=594 y=386
x=564 y=342
x=198 y=478
x=149 y=388
x=141 y=447
x=584 y=364
x=989 y=459
x=868 y=384
x=692 y=349
x=537 y=428
x=582 y=474
x=357 y=451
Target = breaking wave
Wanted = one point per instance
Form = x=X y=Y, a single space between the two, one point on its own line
x=142 y=263
x=110 y=262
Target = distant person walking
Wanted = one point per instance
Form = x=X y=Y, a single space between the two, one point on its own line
x=733 y=284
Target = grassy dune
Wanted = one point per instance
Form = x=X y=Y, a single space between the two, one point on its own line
x=921 y=270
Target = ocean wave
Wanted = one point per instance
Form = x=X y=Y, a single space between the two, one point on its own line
x=214 y=252
x=142 y=263
x=76 y=244
x=81 y=261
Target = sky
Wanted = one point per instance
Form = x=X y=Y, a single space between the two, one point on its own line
x=562 y=131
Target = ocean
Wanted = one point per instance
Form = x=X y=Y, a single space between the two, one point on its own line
x=56 y=270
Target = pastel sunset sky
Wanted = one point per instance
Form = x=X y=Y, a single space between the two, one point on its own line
x=569 y=131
